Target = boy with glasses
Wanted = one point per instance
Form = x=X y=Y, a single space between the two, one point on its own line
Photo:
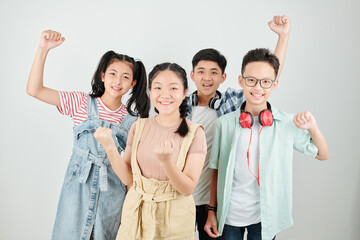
x=251 y=185
x=207 y=104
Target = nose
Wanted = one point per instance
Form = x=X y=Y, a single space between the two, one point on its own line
x=117 y=80
x=165 y=92
x=207 y=76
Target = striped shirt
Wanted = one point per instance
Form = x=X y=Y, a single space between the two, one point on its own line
x=74 y=104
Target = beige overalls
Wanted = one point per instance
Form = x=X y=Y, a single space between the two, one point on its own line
x=155 y=209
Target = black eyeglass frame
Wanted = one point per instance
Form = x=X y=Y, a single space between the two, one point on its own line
x=259 y=80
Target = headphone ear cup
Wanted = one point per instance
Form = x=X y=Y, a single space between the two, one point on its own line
x=246 y=120
x=266 y=118
x=214 y=103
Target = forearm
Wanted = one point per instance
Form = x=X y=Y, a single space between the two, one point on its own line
x=320 y=142
x=213 y=194
x=119 y=165
x=183 y=183
x=280 y=51
x=35 y=86
x=213 y=188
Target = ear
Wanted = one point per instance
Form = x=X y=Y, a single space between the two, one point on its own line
x=102 y=75
x=185 y=93
x=276 y=82
x=192 y=75
x=223 y=77
x=241 y=81
x=133 y=83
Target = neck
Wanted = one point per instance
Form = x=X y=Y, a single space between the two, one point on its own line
x=203 y=100
x=255 y=109
x=168 y=120
x=111 y=103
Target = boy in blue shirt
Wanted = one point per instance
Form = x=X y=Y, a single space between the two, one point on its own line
x=207 y=104
x=251 y=186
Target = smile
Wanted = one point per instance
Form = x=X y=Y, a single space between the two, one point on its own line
x=257 y=95
x=117 y=88
x=165 y=103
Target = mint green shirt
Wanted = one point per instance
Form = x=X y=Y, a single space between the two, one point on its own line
x=276 y=152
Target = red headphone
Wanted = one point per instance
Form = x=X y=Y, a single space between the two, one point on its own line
x=246 y=120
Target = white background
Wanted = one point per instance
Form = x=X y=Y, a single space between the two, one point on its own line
x=321 y=74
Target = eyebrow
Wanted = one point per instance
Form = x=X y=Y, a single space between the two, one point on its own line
x=202 y=68
x=174 y=83
x=117 y=71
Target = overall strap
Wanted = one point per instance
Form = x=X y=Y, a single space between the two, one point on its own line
x=139 y=128
x=92 y=107
x=186 y=145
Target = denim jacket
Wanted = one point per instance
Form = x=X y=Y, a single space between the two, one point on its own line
x=92 y=195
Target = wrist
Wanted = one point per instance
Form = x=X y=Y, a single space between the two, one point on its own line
x=110 y=148
x=43 y=50
x=284 y=35
x=211 y=214
x=313 y=128
x=211 y=208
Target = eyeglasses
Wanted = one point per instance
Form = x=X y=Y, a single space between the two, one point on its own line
x=264 y=83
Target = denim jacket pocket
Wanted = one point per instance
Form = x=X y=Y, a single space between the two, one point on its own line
x=72 y=173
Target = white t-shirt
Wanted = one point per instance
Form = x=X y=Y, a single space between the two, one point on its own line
x=244 y=207
x=206 y=117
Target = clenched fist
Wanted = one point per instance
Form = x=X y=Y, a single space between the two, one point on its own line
x=164 y=150
x=104 y=136
x=280 y=25
x=304 y=120
x=50 y=39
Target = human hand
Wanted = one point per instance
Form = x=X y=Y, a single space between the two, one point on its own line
x=211 y=226
x=50 y=39
x=305 y=120
x=104 y=136
x=164 y=150
x=280 y=25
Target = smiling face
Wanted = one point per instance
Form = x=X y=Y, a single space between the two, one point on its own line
x=256 y=97
x=118 y=79
x=207 y=77
x=167 y=93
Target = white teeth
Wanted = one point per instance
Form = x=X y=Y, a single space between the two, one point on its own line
x=165 y=103
x=257 y=95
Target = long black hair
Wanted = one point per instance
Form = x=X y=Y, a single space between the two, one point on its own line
x=183 y=129
x=139 y=94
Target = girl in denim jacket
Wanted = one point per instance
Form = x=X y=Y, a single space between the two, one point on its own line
x=92 y=195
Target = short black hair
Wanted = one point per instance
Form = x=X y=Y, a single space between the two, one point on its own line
x=261 y=55
x=210 y=54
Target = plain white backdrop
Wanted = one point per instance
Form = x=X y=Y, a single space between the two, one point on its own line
x=321 y=74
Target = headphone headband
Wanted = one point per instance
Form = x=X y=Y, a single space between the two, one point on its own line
x=242 y=108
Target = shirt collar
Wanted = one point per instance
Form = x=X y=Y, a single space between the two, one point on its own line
x=277 y=114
